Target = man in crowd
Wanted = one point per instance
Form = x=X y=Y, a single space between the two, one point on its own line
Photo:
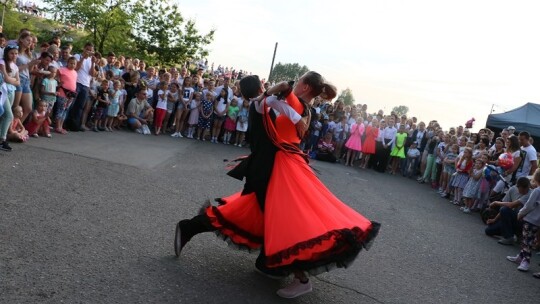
x=140 y=112
x=85 y=71
x=529 y=162
x=387 y=140
x=505 y=223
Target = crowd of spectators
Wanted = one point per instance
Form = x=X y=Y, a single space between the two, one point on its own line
x=47 y=89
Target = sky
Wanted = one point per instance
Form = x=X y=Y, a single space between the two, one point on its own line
x=445 y=60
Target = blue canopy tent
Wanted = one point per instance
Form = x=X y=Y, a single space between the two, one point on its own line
x=524 y=118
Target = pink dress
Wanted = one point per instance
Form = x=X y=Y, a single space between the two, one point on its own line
x=355 y=141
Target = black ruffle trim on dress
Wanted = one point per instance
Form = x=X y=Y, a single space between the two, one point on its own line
x=349 y=243
x=230 y=226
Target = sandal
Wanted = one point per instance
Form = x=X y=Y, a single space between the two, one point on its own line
x=48 y=135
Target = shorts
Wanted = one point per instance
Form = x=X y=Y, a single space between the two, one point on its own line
x=179 y=106
x=219 y=118
x=449 y=169
x=132 y=121
x=50 y=100
x=25 y=85
x=170 y=107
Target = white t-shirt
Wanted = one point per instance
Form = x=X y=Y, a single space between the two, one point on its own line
x=440 y=148
x=530 y=155
x=187 y=92
x=222 y=104
x=162 y=102
x=83 y=74
x=22 y=59
x=13 y=66
x=230 y=95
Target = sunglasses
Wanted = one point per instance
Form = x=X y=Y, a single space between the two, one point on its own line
x=12 y=46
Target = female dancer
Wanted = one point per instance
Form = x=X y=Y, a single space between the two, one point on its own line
x=325 y=233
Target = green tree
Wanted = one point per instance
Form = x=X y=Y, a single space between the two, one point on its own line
x=106 y=20
x=400 y=110
x=287 y=71
x=347 y=96
x=161 y=32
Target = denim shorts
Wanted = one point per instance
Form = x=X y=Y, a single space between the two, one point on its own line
x=25 y=85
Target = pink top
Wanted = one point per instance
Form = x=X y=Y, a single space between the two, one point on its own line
x=68 y=78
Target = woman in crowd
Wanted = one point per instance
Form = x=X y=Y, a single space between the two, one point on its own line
x=26 y=63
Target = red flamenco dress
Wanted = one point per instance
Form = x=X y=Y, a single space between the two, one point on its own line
x=303 y=225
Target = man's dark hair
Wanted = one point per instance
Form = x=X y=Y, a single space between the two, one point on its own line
x=89 y=44
x=525 y=134
x=523 y=182
x=250 y=86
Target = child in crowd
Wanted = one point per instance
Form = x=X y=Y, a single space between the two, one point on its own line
x=161 y=106
x=194 y=114
x=413 y=156
x=368 y=148
x=242 y=124
x=123 y=104
x=220 y=110
x=206 y=110
x=114 y=106
x=482 y=198
x=39 y=122
x=48 y=89
x=530 y=215
x=354 y=144
x=17 y=132
x=340 y=135
x=182 y=108
x=449 y=168
x=67 y=77
x=316 y=126
x=398 y=152
x=173 y=97
x=470 y=192
x=439 y=160
x=430 y=171
x=100 y=113
x=461 y=177
x=230 y=120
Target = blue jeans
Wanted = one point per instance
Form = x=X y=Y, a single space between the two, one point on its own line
x=507 y=225
x=73 y=121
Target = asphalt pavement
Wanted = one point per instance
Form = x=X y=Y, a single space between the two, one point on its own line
x=89 y=218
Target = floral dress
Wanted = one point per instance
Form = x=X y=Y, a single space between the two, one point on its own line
x=207 y=107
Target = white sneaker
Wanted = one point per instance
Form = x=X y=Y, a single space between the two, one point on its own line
x=295 y=289
x=180 y=135
x=175 y=134
x=514 y=259
x=139 y=130
x=523 y=266
x=146 y=130
x=466 y=210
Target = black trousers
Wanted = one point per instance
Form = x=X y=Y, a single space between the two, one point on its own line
x=382 y=156
x=374 y=159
